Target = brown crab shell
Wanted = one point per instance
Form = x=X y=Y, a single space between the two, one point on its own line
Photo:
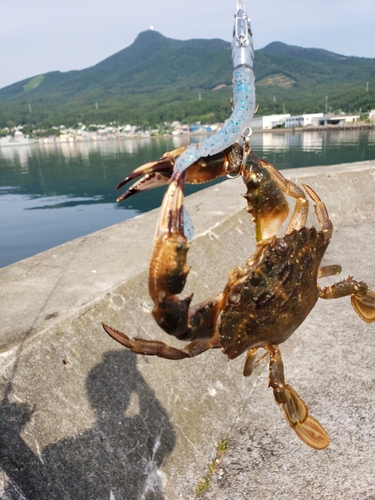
x=275 y=294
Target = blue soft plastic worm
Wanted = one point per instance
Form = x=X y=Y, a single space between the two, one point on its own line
x=243 y=96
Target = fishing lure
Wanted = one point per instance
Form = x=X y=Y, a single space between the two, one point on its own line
x=243 y=96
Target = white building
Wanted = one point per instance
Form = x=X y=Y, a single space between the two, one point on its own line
x=341 y=119
x=303 y=120
x=268 y=122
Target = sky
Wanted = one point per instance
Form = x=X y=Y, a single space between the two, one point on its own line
x=37 y=36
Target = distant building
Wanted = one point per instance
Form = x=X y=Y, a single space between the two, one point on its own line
x=371 y=114
x=17 y=140
x=268 y=122
x=303 y=120
x=338 y=119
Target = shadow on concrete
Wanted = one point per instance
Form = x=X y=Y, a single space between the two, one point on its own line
x=117 y=458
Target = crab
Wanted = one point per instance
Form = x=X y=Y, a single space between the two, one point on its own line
x=264 y=301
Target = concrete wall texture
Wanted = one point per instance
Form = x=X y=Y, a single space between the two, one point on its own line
x=83 y=418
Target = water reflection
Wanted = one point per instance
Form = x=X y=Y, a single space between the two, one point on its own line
x=83 y=150
x=17 y=155
x=56 y=192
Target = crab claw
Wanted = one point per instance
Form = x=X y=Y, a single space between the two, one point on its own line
x=168 y=270
x=159 y=172
x=266 y=201
x=172 y=210
x=154 y=174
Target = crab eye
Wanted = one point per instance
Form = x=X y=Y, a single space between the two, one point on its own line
x=234 y=298
x=252 y=182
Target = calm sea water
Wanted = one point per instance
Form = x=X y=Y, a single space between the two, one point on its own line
x=50 y=194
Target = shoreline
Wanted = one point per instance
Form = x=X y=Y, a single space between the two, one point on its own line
x=320 y=128
x=101 y=138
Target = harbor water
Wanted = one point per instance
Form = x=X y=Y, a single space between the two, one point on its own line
x=52 y=193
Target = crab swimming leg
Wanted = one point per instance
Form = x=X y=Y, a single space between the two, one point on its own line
x=296 y=412
x=362 y=299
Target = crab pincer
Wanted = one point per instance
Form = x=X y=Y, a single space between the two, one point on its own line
x=205 y=169
x=168 y=270
x=167 y=277
x=153 y=174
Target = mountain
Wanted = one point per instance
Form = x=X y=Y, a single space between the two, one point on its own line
x=315 y=55
x=159 y=79
x=300 y=79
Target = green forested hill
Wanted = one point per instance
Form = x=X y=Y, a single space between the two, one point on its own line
x=158 y=79
x=312 y=74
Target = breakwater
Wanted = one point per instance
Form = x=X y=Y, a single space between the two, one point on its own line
x=82 y=416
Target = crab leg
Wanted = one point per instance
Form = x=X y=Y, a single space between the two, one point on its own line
x=160 y=349
x=301 y=209
x=329 y=271
x=362 y=299
x=251 y=362
x=295 y=409
x=321 y=213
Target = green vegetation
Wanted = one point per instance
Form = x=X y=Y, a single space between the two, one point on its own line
x=276 y=80
x=158 y=79
x=34 y=82
x=205 y=482
x=222 y=447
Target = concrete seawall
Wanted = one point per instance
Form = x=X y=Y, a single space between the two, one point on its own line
x=82 y=418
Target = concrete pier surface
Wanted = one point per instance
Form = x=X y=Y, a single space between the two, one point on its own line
x=83 y=418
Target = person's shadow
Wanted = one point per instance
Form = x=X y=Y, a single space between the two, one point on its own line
x=118 y=458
